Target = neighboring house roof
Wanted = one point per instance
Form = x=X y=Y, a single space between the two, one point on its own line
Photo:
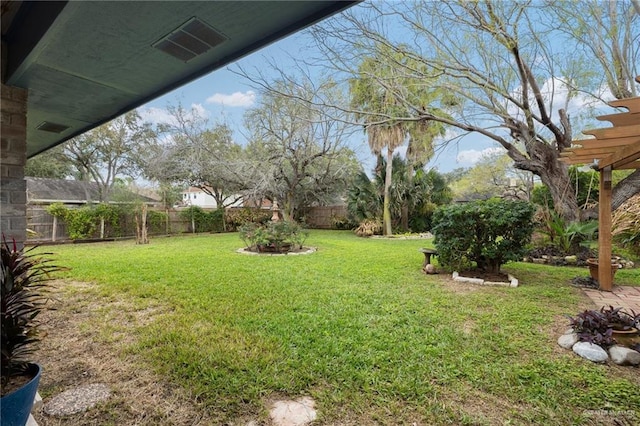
x=43 y=190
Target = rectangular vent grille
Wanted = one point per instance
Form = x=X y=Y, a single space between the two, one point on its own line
x=191 y=39
x=47 y=126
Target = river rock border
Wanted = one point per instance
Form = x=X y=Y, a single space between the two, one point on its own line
x=620 y=355
x=513 y=281
x=305 y=250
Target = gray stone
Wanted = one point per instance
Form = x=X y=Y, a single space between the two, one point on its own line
x=293 y=413
x=572 y=260
x=77 y=400
x=591 y=351
x=430 y=269
x=624 y=356
x=568 y=340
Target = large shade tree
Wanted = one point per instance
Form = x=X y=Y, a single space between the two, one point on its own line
x=299 y=154
x=521 y=75
x=109 y=152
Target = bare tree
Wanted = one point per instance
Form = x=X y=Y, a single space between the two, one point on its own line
x=300 y=155
x=199 y=154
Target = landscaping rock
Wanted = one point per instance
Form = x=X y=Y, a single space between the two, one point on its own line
x=624 y=356
x=590 y=351
x=571 y=260
x=77 y=400
x=430 y=269
x=293 y=413
x=568 y=340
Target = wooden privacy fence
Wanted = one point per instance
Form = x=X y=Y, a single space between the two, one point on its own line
x=322 y=217
x=44 y=227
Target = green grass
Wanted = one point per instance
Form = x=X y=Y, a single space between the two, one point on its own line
x=358 y=327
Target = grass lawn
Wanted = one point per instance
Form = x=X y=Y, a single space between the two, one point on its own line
x=356 y=325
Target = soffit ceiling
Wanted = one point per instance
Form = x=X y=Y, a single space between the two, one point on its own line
x=85 y=63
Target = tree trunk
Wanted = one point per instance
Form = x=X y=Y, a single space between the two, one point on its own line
x=55 y=228
x=544 y=162
x=625 y=189
x=556 y=177
x=386 y=213
x=288 y=207
x=141 y=225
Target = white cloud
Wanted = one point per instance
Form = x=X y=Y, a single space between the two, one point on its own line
x=236 y=99
x=199 y=111
x=472 y=156
x=155 y=115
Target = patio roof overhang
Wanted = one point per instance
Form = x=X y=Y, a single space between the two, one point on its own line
x=614 y=148
x=85 y=63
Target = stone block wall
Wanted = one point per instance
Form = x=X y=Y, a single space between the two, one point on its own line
x=13 y=157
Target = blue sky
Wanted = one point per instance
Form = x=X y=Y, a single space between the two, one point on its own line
x=225 y=96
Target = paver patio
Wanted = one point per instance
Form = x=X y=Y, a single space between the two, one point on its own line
x=626 y=296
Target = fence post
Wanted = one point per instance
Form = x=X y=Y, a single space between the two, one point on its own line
x=55 y=228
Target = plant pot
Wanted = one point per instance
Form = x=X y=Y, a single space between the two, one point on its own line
x=16 y=406
x=626 y=337
x=593 y=268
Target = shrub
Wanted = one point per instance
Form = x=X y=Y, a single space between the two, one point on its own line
x=157 y=222
x=235 y=218
x=23 y=277
x=489 y=233
x=597 y=327
x=202 y=221
x=369 y=227
x=279 y=237
x=82 y=222
x=340 y=222
x=626 y=224
x=568 y=238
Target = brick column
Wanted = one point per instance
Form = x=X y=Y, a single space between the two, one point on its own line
x=13 y=156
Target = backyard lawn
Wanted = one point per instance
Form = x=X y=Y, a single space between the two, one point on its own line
x=186 y=323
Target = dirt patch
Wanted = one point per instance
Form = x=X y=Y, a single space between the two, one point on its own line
x=78 y=351
x=456 y=286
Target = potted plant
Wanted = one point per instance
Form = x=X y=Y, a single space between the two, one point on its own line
x=23 y=277
x=607 y=326
x=593 y=267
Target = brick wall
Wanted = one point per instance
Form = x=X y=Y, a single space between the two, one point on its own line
x=13 y=148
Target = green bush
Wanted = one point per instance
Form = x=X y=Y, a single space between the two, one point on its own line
x=157 y=222
x=567 y=238
x=235 y=218
x=202 y=220
x=83 y=222
x=278 y=237
x=489 y=233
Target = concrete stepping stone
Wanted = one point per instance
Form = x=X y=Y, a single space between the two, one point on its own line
x=293 y=413
x=77 y=400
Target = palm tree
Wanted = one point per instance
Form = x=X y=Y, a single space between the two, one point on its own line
x=375 y=95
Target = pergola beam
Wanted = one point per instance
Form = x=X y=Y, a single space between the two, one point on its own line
x=632 y=131
x=626 y=155
x=614 y=148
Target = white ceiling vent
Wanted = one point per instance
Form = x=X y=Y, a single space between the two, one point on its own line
x=191 y=39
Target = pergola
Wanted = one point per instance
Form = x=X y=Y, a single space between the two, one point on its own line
x=614 y=148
